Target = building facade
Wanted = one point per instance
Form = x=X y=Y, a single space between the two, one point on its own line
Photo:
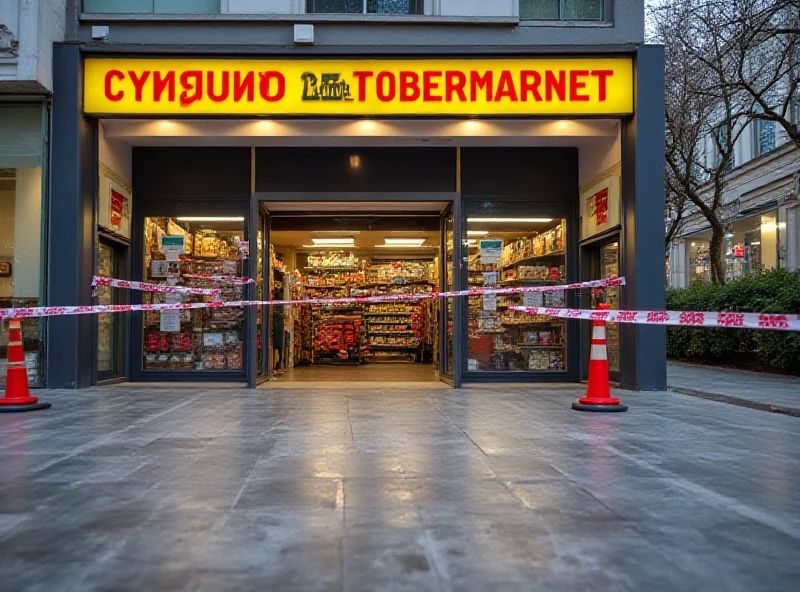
x=27 y=33
x=760 y=210
x=520 y=141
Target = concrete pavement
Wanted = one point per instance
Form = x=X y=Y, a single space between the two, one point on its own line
x=759 y=390
x=396 y=488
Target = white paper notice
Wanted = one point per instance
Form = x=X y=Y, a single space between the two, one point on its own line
x=170 y=321
x=172 y=256
x=490 y=278
x=533 y=299
x=230 y=267
x=212 y=339
x=159 y=269
x=490 y=302
x=172 y=298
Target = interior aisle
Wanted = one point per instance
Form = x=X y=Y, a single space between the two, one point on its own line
x=338 y=375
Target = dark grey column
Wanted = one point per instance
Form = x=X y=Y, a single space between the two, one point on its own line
x=644 y=363
x=70 y=340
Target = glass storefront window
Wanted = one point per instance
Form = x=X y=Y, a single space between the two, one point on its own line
x=751 y=245
x=515 y=252
x=21 y=191
x=203 y=339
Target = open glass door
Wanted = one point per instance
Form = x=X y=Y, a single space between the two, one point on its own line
x=449 y=325
x=263 y=346
x=606 y=265
x=110 y=327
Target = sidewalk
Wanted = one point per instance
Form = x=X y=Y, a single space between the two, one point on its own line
x=758 y=390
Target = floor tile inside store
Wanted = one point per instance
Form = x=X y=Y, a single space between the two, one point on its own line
x=406 y=488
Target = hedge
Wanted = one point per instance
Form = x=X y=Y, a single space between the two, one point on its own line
x=776 y=291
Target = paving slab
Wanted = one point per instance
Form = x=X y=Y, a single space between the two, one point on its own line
x=396 y=488
x=775 y=393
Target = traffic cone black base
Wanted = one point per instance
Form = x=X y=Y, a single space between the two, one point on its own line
x=603 y=408
x=21 y=408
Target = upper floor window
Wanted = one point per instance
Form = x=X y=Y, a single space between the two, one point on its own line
x=365 y=6
x=152 y=6
x=764 y=136
x=723 y=147
x=564 y=10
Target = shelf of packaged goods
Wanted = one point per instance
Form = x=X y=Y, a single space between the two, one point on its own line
x=392 y=284
x=332 y=268
x=540 y=346
x=531 y=282
x=373 y=322
x=393 y=346
x=390 y=314
x=534 y=258
x=324 y=287
x=384 y=333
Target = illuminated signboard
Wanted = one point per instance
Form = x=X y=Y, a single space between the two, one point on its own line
x=458 y=87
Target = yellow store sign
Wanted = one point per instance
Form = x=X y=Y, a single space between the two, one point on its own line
x=460 y=87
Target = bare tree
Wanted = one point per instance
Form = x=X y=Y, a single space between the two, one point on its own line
x=764 y=44
x=701 y=103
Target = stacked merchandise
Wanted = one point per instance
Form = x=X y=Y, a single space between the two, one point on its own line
x=502 y=339
x=537 y=245
x=338 y=337
x=203 y=339
x=400 y=333
x=402 y=344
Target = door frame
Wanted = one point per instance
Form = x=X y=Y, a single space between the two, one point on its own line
x=261 y=201
x=121 y=249
x=590 y=260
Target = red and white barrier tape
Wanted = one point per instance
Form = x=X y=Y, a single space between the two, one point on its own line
x=728 y=320
x=48 y=311
x=160 y=288
x=221 y=278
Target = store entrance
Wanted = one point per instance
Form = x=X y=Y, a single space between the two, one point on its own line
x=352 y=250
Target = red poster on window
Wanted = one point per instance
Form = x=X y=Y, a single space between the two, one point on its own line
x=738 y=250
x=117 y=206
x=601 y=207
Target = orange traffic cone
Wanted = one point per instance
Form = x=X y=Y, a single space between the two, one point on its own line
x=17 y=396
x=598 y=394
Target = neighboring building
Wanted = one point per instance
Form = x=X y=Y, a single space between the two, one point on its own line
x=239 y=123
x=27 y=33
x=760 y=210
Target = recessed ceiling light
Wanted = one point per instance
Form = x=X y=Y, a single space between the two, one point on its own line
x=531 y=220
x=211 y=218
x=477 y=232
x=404 y=246
x=472 y=241
x=406 y=242
x=334 y=241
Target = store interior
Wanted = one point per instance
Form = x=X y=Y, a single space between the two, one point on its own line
x=319 y=256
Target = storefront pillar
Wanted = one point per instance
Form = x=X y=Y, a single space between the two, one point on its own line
x=644 y=346
x=71 y=340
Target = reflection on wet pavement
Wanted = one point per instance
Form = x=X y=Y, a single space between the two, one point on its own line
x=396 y=488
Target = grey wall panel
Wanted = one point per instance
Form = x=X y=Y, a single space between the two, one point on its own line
x=379 y=170
x=71 y=340
x=644 y=366
x=193 y=174
x=531 y=174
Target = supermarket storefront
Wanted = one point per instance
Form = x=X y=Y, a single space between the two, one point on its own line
x=250 y=160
